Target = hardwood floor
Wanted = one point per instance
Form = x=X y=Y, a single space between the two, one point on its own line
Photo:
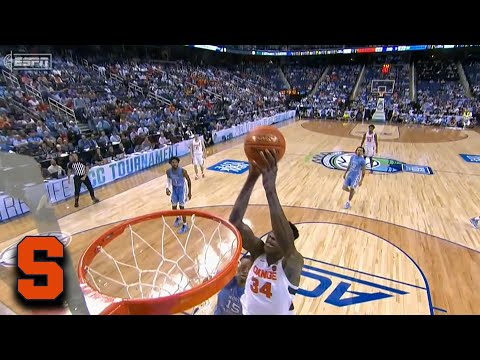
x=405 y=247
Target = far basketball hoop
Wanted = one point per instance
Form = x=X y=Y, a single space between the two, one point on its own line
x=381 y=87
x=379 y=114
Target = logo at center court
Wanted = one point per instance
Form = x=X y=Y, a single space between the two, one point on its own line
x=339 y=160
x=231 y=167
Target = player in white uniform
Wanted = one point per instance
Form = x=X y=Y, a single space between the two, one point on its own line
x=370 y=140
x=274 y=277
x=199 y=153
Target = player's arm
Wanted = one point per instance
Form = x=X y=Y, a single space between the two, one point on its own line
x=363 y=139
x=249 y=241
x=293 y=260
x=363 y=173
x=348 y=168
x=204 y=149
x=376 y=143
x=189 y=183
x=168 y=186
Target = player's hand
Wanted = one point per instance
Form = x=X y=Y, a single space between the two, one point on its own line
x=254 y=169
x=269 y=169
x=168 y=192
x=189 y=196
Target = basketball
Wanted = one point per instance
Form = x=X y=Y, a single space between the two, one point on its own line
x=262 y=138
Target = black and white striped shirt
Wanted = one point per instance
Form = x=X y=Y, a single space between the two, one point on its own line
x=78 y=168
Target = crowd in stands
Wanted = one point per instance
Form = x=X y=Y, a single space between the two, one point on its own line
x=117 y=108
x=441 y=98
x=332 y=95
x=267 y=76
x=472 y=72
x=302 y=78
x=168 y=103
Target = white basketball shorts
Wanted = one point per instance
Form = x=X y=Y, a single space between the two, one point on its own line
x=198 y=159
x=369 y=151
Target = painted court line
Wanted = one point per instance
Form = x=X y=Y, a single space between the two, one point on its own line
x=366 y=273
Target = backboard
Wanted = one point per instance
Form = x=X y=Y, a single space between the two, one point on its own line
x=382 y=86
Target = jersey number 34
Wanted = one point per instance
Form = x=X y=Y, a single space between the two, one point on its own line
x=266 y=288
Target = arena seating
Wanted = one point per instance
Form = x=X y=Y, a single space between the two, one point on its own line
x=89 y=103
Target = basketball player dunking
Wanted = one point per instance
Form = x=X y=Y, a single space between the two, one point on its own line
x=179 y=187
x=274 y=277
x=370 y=140
x=199 y=154
x=354 y=174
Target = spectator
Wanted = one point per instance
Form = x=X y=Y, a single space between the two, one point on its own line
x=98 y=158
x=55 y=171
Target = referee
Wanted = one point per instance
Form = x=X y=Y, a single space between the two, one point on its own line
x=80 y=175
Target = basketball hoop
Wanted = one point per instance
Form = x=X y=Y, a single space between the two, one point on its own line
x=169 y=274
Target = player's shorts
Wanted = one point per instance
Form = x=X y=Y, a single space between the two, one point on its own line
x=179 y=195
x=369 y=151
x=198 y=159
x=352 y=180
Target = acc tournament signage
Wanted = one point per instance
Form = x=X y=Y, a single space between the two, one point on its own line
x=339 y=160
x=59 y=189
x=101 y=175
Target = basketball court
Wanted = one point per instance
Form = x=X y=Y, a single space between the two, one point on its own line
x=387 y=132
x=405 y=247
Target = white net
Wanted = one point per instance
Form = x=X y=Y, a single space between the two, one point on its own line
x=151 y=259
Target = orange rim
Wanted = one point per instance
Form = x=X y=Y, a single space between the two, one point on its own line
x=164 y=305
